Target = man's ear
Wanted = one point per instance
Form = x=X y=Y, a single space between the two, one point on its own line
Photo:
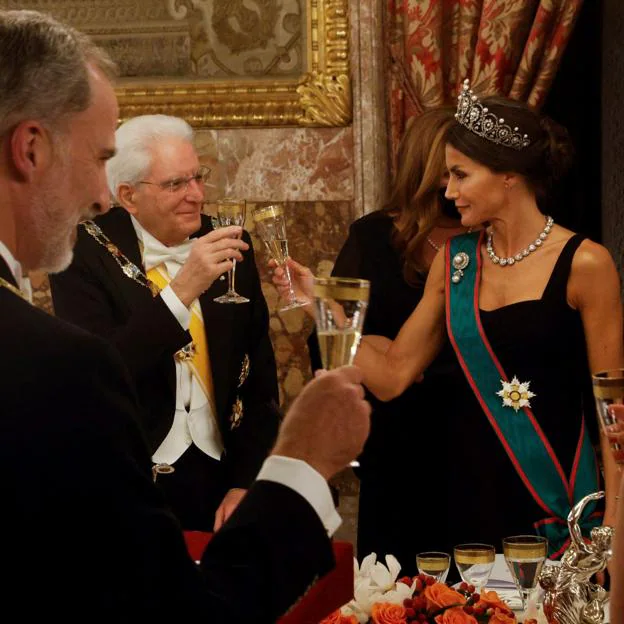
x=32 y=150
x=125 y=196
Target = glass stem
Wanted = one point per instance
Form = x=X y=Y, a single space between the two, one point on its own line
x=232 y=277
x=291 y=293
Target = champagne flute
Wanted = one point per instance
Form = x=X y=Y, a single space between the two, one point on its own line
x=475 y=563
x=339 y=309
x=231 y=212
x=271 y=227
x=435 y=564
x=608 y=390
x=525 y=556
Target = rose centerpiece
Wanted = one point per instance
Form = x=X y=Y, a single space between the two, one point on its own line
x=381 y=597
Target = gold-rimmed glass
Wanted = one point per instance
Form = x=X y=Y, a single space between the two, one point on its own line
x=340 y=305
x=231 y=212
x=434 y=563
x=339 y=309
x=474 y=563
x=608 y=388
x=525 y=556
x=271 y=228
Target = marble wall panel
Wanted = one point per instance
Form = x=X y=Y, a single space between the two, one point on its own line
x=279 y=164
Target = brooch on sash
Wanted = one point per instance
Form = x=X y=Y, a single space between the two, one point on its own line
x=460 y=262
x=516 y=394
x=238 y=409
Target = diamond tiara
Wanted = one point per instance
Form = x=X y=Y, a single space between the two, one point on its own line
x=480 y=121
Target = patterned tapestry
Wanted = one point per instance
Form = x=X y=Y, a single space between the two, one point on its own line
x=505 y=47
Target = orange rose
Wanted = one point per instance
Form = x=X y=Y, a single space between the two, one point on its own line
x=489 y=599
x=337 y=618
x=455 y=615
x=440 y=595
x=387 y=613
x=502 y=617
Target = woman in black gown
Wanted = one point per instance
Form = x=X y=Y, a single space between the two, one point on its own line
x=530 y=308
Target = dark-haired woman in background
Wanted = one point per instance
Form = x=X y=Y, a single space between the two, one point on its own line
x=529 y=308
x=393 y=248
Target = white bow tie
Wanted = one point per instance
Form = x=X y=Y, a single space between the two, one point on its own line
x=172 y=257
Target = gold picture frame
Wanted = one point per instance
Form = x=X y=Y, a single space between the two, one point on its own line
x=321 y=96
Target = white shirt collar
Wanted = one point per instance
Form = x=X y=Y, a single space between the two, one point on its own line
x=15 y=267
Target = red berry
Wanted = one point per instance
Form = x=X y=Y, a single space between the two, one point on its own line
x=408 y=602
x=419 y=585
x=422 y=617
x=430 y=580
x=476 y=597
x=405 y=579
x=463 y=586
x=471 y=589
x=469 y=610
x=409 y=612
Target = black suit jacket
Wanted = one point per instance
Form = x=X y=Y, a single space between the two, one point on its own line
x=95 y=294
x=85 y=535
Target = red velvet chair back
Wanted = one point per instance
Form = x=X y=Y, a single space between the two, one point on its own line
x=327 y=595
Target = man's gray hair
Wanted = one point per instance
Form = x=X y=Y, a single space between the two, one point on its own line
x=43 y=69
x=135 y=140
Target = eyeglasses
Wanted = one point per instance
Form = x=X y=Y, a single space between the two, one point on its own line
x=181 y=184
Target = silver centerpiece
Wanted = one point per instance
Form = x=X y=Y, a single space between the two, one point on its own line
x=569 y=595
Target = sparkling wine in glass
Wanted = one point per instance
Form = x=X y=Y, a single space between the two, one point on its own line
x=231 y=212
x=525 y=556
x=608 y=390
x=435 y=564
x=475 y=563
x=271 y=227
x=339 y=309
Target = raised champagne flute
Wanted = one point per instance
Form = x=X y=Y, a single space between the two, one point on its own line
x=475 y=563
x=525 y=556
x=231 y=212
x=339 y=309
x=609 y=390
x=435 y=564
x=271 y=227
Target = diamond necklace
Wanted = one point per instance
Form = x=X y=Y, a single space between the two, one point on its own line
x=521 y=255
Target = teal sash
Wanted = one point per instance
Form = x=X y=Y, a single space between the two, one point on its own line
x=519 y=432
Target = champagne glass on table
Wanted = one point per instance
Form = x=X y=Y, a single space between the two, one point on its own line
x=609 y=390
x=339 y=309
x=435 y=564
x=525 y=556
x=231 y=212
x=271 y=227
x=475 y=563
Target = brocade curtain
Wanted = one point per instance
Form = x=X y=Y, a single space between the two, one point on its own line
x=505 y=47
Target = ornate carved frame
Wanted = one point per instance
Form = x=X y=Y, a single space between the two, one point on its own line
x=320 y=97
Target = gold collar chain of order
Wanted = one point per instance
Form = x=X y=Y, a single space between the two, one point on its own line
x=14 y=289
x=128 y=267
x=132 y=271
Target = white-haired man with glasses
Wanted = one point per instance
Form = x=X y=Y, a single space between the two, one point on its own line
x=145 y=277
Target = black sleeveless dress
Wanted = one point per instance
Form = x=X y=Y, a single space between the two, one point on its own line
x=541 y=341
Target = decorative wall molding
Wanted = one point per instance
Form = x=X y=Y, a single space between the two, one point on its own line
x=320 y=96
